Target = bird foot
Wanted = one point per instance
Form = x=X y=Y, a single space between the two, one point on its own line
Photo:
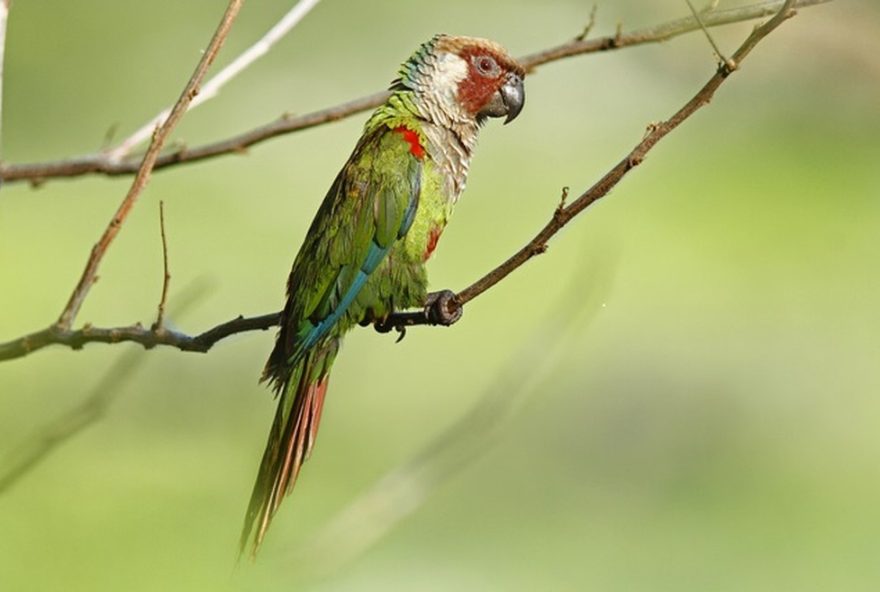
x=399 y=329
x=389 y=324
x=441 y=308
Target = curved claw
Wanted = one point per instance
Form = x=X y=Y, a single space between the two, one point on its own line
x=386 y=327
x=442 y=308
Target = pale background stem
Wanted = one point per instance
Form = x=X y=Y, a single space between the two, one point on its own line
x=213 y=86
x=4 y=15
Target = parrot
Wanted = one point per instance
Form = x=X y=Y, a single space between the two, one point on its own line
x=364 y=255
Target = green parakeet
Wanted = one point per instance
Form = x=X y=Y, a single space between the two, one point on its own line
x=364 y=255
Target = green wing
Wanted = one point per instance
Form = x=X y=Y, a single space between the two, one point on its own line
x=370 y=205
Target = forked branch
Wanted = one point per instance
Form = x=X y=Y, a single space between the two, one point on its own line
x=102 y=164
x=562 y=215
x=90 y=273
x=656 y=132
x=212 y=87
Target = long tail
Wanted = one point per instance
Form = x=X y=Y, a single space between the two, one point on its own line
x=290 y=440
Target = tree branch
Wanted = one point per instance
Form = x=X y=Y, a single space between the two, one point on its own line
x=656 y=132
x=40 y=172
x=90 y=273
x=709 y=38
x=166 y=276
x=563 y=214
x=137 y=333
x=212 y=87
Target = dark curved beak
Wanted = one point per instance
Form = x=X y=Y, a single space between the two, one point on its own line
x=507 y=101
x=514 y=96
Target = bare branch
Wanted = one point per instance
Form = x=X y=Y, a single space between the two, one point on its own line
x=590 y=24
x=40 y=172
x=562 y=215
x=659 y=33
x=137 y=333
x=656 y=132
x=166 y=277
x=715 y=48
x=90 y=273
x=212 y=87
x=37 y=173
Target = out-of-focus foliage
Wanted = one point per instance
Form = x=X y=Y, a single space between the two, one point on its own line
x=713 y=427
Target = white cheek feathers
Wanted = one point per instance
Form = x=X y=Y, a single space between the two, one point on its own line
x=449 y=70
x=439 y=90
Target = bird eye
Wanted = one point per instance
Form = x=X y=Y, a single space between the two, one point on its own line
x=486 y=66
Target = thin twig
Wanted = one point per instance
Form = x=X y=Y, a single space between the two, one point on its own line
x=166 y=278
x=39 y=172
x=711 y=39
x=90 y=273
x=212 y=87
x=562 y=215
x=590 y=24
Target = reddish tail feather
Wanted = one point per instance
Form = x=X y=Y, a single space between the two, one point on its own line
x=290 y=442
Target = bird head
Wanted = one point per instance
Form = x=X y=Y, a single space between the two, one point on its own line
x=463 y=79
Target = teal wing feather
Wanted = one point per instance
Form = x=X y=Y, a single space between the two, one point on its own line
x=370 y=205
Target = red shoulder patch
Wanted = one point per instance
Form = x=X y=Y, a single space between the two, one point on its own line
x=412 y=138
x=433 y=239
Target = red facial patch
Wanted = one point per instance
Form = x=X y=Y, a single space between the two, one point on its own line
x=433 y=238
x=412 y=138
x=476 y=89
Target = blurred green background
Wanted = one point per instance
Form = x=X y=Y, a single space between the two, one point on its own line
x=692 y=370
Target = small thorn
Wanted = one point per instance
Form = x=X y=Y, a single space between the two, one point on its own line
x=560 y=208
